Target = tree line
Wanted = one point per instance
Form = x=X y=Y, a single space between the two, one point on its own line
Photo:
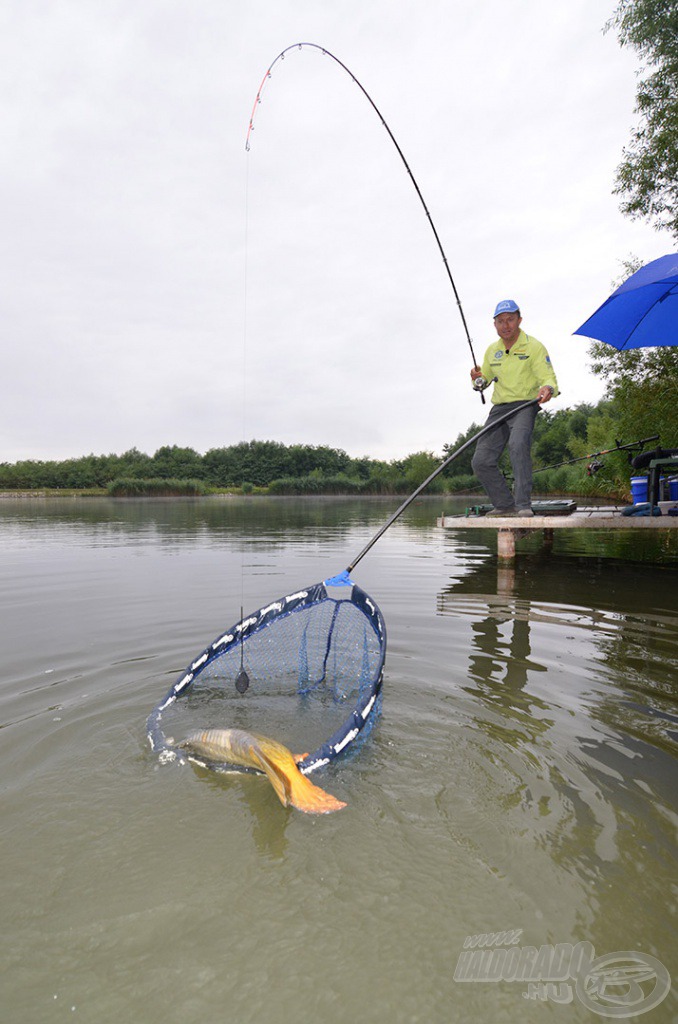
x=635 y=406
x=254 y=463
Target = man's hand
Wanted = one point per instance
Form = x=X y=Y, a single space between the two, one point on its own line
x=544 y=394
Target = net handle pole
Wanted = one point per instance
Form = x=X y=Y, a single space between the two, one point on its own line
x=436 y=472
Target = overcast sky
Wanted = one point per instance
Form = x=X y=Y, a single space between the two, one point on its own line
x=162 y=286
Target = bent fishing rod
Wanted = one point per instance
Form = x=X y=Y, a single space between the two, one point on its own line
x=436 y=472
x=326 y=53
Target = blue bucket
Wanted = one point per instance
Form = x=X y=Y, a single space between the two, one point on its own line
x=639 y=489
x=673 y=488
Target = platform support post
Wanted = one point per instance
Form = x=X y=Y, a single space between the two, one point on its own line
x=506 y=544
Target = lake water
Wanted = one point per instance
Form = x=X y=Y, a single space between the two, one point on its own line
x=521 y=778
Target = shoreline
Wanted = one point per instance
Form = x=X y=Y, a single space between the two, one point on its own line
x=474 y=497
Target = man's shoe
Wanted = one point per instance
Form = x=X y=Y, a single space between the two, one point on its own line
x=501 y=513
x=526 y=512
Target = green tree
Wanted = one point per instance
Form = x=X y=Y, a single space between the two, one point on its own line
x=132 y=463
x=462 y=465
x=555 y=432
x=418 y=467
x=642 y=385
x=647 y=178
x=603 y=432
x=304 y=459
x=365 y=467
x=181 y=463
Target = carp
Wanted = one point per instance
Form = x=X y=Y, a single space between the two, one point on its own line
x=246 y=749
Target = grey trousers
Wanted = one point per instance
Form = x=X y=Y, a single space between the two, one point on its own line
x=516 y=432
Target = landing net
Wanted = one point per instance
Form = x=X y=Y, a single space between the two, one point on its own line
x=313 y=665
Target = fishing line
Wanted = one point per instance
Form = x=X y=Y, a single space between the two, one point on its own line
x=324 y=643
x=245 y=304
x=242 y=677
x=326 y=53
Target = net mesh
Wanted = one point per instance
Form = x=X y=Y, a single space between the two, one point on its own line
x=314 y=663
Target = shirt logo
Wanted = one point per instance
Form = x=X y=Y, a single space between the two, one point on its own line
x=498 y=354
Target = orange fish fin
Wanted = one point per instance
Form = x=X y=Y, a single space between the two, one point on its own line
x=277 y=775
x=290 y=785
x=311 y=798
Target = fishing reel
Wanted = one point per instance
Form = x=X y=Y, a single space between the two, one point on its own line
x=480 y=384
x=593 y=468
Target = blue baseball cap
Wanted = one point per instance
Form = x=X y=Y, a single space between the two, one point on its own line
x=506 y=306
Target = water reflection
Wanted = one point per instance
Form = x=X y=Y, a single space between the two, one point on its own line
x=500 y=657
x=196 y=516
x=619 y=624
x=255 y=794
x=505 y=629
x=583 y=758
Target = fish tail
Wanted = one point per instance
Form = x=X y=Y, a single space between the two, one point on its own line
x=291 y=786
x=306 y=796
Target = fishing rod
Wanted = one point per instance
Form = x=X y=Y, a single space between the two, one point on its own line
x=326 y=53
x=593 y=469
x=632 y=446
x=455 y=455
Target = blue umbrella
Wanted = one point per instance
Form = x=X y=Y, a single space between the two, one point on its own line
x=642 y=312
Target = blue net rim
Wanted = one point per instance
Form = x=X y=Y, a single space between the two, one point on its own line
x=364 y=711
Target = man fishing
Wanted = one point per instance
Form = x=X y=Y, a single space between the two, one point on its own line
x=520 y=368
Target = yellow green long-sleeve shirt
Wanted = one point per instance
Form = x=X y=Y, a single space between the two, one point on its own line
x=521 y=372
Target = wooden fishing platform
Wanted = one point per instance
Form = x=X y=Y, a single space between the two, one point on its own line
x=511 y=528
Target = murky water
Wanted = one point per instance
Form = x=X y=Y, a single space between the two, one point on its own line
x=522 y=776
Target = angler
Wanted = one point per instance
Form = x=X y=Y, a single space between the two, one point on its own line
x=521 y=369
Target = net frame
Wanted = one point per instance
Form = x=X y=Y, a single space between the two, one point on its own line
x=365 y=710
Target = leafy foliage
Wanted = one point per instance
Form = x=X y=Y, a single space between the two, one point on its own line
x=462 y=465
x=155 y=488
x=647 y=177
